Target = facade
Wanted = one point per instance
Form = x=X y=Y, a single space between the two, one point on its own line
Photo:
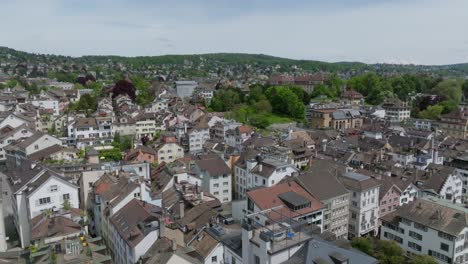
x=47 y=104
x=364 y=207
x=258 y=172
x=339 y=119
x=235 y=137
x=34 y=190
x=185 y=88
x=336 y=199
x=29 y=146
x=455 y=124
x=17 y=134
x=396 y=110
x=133 y=230
x=197 y=136
x=91 y=132
x=431 y=227
x=168 y=150
x=216 y=178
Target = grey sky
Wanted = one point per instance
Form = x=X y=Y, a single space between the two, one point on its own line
x=412 y=31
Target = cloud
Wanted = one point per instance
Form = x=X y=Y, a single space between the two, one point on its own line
x=428 y=32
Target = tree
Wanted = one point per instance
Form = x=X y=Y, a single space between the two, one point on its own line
x=66 y=204
x=422 y=259
x=263 y=106
x=432 y=112
x=124 y=87
x=285 y=102
x=363 y=244
x=126 y=143
x=225 y=100
x=389 y=252
x=450 y=88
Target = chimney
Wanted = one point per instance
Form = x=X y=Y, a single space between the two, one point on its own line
x=196 y=187
x=201 y=196
x=260 y=167
x=185 y=128
x=174 y=245
x=181 y=209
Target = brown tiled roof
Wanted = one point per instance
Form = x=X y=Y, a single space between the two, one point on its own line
x=127 y=221
x=44 y=226
x=447 y=219
x=45 y=153
x=86 y=122
x=358 y=182
x=203 y=246
x=215 y=166
x=266 y=198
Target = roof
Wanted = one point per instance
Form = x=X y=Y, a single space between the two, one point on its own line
x=203 y=245
x=44 y=226
x=49 y=151
x=267 y=167
x=86 y=122
x=433 y=213
x=28 y=141
x=322 y=181
x=214 y=167
x=131 y=221
x=281 y=194
x=358 y=182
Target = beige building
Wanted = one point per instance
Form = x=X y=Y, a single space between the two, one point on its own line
x=339 y=119
x=169 y=150
x=455 y=124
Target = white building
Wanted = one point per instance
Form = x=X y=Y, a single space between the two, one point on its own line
x=197 y=136
x=85 y=132
x=39 y=141
x=185 y=88
x=430 y=226
x=34 y=190
x=169 y=150
x=216 y=178
x=364 y=207
x=260 y=172
x=47 y=104
x=15 y=120
x=16 y=134
x=396 y=110
x=133 y=230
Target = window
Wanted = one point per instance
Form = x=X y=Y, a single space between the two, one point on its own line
x=36 y=147
x=414 y=246
x=421 y=227
x=45 y=200
x=53 y=188
x=233 y=260
x=214 y=259
x=257 y=259
x=140 y=169
x=444 y=247
x=66 y=196
x=415 y=235
x=216 y=185
x=445 y=236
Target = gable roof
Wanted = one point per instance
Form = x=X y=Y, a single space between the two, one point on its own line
x=214 y=166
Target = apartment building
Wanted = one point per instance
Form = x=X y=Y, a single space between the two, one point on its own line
x=85 y=132
x=216 y=177
x=430 y=226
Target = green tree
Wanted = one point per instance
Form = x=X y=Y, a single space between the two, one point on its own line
x=11 y=83
x=126 y=143
x=225 y=100
x=432 y=112
x=452 y=89
x=285 y=102
x=422 y=259
x=363 y=244
x=449 y=106
x=263 y=106
x=389 y=252
x=66 y=204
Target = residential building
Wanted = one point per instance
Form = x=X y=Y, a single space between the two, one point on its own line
x=339 y=119
x=235 y=137
x=12 y=136
x=21 y=150
x=364 y=206
x=429 y=226
x=455 y=124
x=197 y=136
x=133 y=230
x=322 y=183
x=216 y=177
x=35 y=189
x=141 y=154
x=256 y=172
x=85 y=132
x=185 y=89
x=168 y=150
x=396 y=110
x=290 y=199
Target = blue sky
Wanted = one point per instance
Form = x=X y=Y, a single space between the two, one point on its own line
x=392 y=31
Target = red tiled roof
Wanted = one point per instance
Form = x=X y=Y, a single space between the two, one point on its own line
x=266 y=198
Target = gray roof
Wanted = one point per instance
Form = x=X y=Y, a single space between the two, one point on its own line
x=434 y=213
x=293 y=198
x=321 y=180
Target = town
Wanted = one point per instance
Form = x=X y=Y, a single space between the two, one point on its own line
x=234 y=167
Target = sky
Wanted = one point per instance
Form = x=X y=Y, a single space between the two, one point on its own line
x=371 y=31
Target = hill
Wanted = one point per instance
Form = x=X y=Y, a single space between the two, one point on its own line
x=215 y=62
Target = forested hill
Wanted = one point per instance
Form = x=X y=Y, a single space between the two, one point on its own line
x=214 y=62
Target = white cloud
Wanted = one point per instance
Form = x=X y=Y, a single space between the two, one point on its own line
x=427 y=32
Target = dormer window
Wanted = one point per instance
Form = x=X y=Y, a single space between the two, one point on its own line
x=53 y=188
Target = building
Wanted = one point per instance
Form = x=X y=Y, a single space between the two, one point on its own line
x=256 y=172
x=141 y=154
x=352 y=97
x=396 y=110
x=339 y=119
x=185 y=89
x=10 y=137
x=216 y=177
x=429 y=226
x=364 y=206
x=323 y=184
x=238 y=135
x=455 y=124
x=168 y=150
x=290 y=199
x=39 y=141
x=35 y=189
x=85 y=132
x=197 y=136
x=133 y=229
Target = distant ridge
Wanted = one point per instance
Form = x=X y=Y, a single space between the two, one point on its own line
x=219 y=59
